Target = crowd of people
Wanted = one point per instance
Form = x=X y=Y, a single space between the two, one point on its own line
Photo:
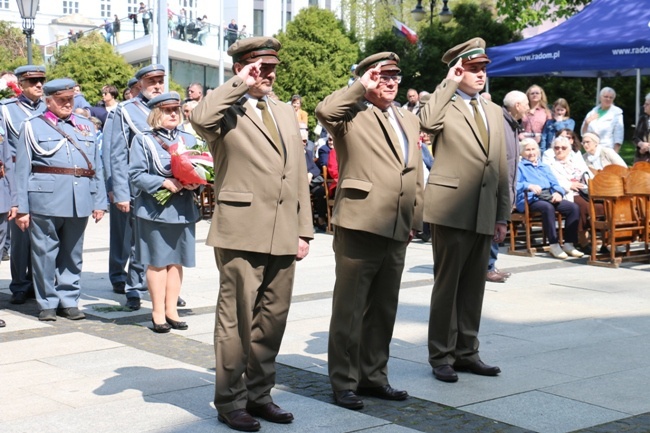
x=481 y=159
x=179 y=26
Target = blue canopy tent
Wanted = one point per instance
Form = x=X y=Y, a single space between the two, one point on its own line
x=608 y=38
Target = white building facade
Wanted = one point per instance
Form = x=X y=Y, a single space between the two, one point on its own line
x=191 y=60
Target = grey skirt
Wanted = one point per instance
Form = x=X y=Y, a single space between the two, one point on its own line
x=162 y=244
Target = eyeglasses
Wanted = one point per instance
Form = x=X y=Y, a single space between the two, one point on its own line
x=387 y=78
x=560 y=148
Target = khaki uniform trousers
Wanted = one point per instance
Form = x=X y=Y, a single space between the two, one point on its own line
x=252 y=308
x=368 y=276
x=460 y=260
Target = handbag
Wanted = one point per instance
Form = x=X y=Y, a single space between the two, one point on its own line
x=584 y=192
x=546 y=194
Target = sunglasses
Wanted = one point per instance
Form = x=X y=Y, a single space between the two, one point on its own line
x=35 y=80
x=560 y=148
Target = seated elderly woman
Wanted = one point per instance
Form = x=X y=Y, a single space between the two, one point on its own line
x=549 y=154
x=573 y=175
x=597 y=157
x=538 y=186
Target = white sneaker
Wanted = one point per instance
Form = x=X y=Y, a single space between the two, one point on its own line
x=556 y=251
x=571 y=250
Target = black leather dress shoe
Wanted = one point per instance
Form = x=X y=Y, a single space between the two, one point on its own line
x=479 y=367
x=385 y=392
x=181 y=326
x=18 y=298
x=71 y=313
x=348 y=399
x=239 y=419
x=133 y=304
x=181 y=302
x=272 y=413
x=119 y=288
x=445 y=373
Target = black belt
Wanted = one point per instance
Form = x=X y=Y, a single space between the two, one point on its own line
x=76 y=171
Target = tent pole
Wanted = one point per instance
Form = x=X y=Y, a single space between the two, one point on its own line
x=598 y=84
x=487 y=84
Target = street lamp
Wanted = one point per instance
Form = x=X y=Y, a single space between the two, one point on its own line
x=28 y=10
x=445 y=14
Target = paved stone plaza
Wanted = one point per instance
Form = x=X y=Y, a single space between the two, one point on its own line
x=572 y=341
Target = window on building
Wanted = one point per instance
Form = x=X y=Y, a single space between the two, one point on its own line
x=70 y=7
x=133 y=6
x=105 y=8
x=4 y=4
x=258 y=22
x=313 y=2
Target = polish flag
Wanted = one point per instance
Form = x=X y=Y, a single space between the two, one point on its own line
x=404 y=31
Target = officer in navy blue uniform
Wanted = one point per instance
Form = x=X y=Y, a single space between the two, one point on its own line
x=120 y=228
x=60 y=184
x=12 y=113
x=130 y=118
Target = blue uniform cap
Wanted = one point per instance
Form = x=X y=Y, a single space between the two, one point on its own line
x=59 y=87
x=171 y=99
x=131 y=82
x=29 y=71
x=150 y=71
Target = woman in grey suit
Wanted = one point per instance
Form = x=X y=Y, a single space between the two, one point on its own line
x=166 y=232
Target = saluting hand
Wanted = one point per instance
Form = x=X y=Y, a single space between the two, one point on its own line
x=370 y=79
x=456 y=72
x=250 y=72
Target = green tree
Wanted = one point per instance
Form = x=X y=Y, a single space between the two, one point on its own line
x=519 y=14
x=316 y=57
x=421 y=64
x=13 y=48
x=93 y=63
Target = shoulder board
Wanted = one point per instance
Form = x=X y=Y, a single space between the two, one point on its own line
x=8 y=101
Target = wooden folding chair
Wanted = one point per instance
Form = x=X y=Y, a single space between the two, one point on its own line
x=206 y=201
x=641 y=165
x=637 y=184
x=529 y=220
x=329 y=200
x=620 y=226
x=616 y=169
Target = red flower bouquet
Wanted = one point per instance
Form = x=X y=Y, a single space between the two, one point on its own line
x=188 y=166
x=9 y=89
